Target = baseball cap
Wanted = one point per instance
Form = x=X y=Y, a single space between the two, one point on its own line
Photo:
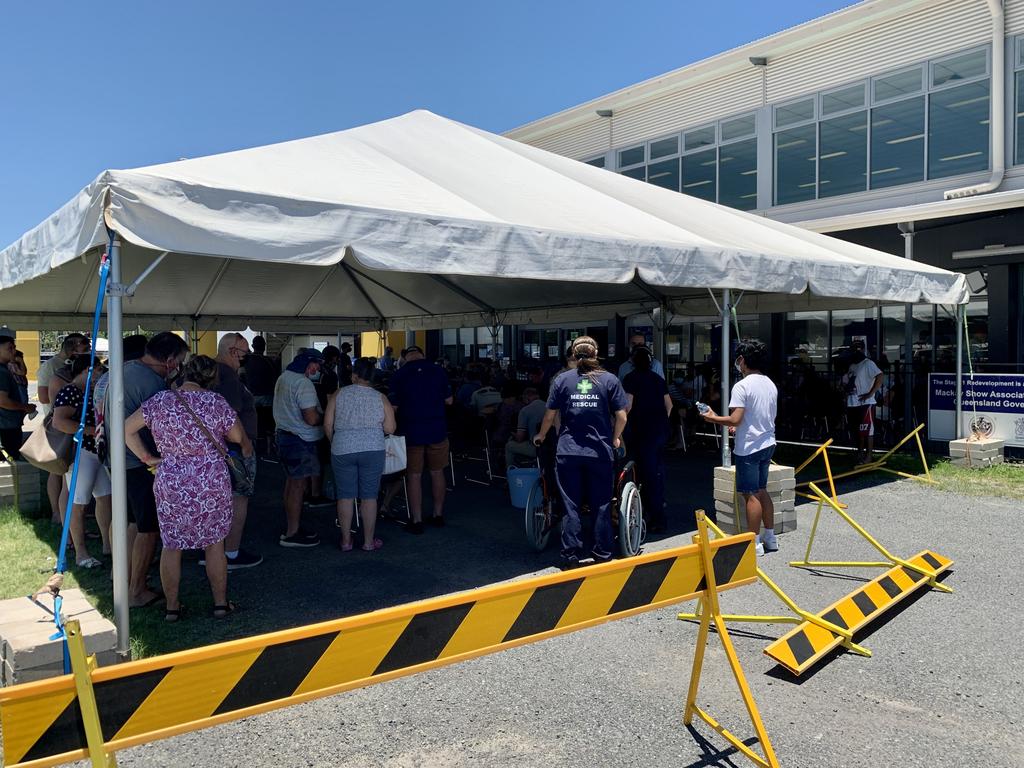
x=413 y=348
x=6 y=334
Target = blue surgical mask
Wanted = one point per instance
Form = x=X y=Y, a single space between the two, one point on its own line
x=314 y=377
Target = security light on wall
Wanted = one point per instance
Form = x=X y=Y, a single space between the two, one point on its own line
x=759 y=61
x=604 y=113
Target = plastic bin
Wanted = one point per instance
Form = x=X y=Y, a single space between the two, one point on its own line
x=520 y=481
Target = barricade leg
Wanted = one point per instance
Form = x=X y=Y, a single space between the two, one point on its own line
x=82 y=667
x=890 y=560
x=799 y=615
x=709 y=610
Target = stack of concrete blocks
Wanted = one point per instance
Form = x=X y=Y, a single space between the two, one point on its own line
x=23 y=486
x=976 y=453
x=730 y=508
x=25 y=629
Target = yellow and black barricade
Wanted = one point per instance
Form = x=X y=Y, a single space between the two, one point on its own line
x=95 y=712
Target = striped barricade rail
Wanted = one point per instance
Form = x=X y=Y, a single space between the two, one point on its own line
x=95 y=712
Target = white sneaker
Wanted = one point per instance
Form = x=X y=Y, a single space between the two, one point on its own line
x=769 y=542
x=759 y=548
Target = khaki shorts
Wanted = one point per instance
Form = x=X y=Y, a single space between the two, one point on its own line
x=434 y=457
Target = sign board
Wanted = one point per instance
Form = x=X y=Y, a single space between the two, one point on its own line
x=991 y=402
x=672 y=348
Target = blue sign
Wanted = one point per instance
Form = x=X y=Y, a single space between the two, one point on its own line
x=991 y=392
x=992 y=404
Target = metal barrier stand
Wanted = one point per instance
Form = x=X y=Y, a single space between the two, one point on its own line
x=82 y=667
x=890 y=559
x=709 y=611
x=799 y=616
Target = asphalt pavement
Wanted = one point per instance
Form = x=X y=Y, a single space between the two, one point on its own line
x=943 y=688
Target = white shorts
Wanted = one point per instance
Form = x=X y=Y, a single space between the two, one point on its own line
x=93 y=480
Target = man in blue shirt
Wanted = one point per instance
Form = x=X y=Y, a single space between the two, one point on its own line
x=420 y=391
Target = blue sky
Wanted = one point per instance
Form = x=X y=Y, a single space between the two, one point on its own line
x=90 y=86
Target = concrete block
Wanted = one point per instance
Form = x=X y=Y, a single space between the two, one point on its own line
x=726 y=496
x=26 y=649
x=977 y=454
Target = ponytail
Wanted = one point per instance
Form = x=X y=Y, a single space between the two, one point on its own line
x=584 y=351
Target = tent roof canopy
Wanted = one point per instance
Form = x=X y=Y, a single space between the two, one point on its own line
x=420 y=221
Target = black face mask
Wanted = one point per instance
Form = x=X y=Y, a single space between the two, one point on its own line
x=858 y=356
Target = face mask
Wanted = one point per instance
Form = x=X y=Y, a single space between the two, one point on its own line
x=314 y=377
x=737 y=367
x=858 y=356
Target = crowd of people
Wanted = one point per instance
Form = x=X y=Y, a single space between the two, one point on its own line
x=194 y=426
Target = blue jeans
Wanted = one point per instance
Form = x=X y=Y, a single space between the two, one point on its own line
x=752 y=470
x=583 y=479
x=357 y=475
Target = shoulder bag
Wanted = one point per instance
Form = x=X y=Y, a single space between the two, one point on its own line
x=241 y=480
x=48 y=448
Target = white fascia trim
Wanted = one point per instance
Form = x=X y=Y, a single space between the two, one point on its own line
x=803 y=36
x=922 y=212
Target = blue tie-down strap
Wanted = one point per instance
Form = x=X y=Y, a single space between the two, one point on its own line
x=60 y=634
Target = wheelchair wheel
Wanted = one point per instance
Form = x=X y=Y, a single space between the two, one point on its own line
x=631 y=520
x=537 y=516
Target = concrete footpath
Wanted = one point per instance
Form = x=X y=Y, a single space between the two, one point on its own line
x=944 y=686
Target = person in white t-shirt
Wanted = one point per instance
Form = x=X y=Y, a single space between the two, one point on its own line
x=752 y=411
x=863 y=379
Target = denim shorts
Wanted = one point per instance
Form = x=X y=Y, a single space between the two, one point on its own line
x=298 y=456
x=357 y=475
x=752 y=470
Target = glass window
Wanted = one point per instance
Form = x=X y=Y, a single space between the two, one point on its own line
x=795 y=152
x=897 y=143
x=958 y=130
x=797 y=112
x=701 y=137
x=806 y=338
x=1019 y=118
x=964 y=66
x=739 y=128
x=842 y=99
x=631 y=156
x=702 y=342
x=977 y=330
x=677 y=345
x=664 y=147
x=664 y=174
x=596 y=161
x=893 y=325
x=852 y=325
x=636 y=173
x=1020 y=52
x=737 y=175
x=902 y=83
x=699 y=174
x=843 y=155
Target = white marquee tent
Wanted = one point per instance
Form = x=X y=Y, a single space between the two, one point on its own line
x=415 y=222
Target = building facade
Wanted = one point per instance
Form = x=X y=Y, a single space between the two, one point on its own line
x=896 y=124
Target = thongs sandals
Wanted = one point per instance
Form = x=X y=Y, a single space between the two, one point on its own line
x=223 y=611
x=173 y=615
x=374 y=545
x=89 y=562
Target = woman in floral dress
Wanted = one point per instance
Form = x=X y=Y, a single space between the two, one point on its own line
x=193 y=487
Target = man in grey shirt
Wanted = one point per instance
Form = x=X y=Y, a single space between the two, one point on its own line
x=530 y=417
x=231 y=350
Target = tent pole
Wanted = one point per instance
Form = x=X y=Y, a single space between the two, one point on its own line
x=908 y=337
x=114 y=416
x=726 y=370
x=958 y=402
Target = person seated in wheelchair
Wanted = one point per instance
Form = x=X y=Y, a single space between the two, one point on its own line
x=591 y=405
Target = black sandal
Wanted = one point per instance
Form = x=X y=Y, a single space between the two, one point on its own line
x=172 y=616
x=223 y=611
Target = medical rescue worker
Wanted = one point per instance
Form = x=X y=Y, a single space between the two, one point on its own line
x=591 y=406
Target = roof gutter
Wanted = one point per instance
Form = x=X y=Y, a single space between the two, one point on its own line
x=998 y=114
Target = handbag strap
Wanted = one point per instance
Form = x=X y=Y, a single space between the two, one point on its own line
x=202 y=426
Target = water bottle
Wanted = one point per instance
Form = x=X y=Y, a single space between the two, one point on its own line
x=702 y=408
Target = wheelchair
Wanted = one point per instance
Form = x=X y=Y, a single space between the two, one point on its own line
x=544 y=512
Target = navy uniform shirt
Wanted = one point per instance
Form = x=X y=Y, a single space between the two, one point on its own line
x=587 y=405
x=419 y=390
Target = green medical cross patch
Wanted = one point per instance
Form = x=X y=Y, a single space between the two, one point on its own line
x=584 y=386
